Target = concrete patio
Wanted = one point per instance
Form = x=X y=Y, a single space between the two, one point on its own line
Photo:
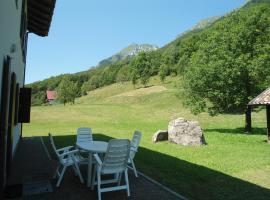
x=31 y=178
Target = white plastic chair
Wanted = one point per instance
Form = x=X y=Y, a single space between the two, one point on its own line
x=134 y=148
x=84 y=134
x=66 y=157
x=114 y=162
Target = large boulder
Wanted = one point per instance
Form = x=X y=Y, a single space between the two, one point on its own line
x=160 y=136
x=185 y=132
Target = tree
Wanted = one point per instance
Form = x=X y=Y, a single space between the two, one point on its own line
x=141 y=69
x=91 y=84
x=232 y=64
x=123 y=74
x=67 y=90
x=163 y=72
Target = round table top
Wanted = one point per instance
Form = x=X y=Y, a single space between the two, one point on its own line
x=93 y=146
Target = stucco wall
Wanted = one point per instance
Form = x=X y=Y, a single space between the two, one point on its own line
x=10 y=20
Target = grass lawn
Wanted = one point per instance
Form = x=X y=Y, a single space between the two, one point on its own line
x=233 y=164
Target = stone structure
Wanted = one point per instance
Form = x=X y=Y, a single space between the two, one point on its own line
x=185 y=132
x=160 y=136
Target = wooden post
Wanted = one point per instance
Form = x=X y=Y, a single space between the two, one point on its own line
x=248 y=119
x=268 y=122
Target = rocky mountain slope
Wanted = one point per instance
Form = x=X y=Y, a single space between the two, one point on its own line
x=128 y=52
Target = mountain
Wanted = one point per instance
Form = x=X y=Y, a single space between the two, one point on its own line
x=205 y=23
x=128 y=52
x=239 y=40
x=258 y=1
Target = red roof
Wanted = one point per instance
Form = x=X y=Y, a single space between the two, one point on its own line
x=51 y=95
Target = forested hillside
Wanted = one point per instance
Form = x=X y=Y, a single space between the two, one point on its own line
x=224 y=65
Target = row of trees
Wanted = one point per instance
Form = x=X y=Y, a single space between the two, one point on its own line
x=223 y=66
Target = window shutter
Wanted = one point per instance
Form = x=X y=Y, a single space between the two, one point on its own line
x=25 y=105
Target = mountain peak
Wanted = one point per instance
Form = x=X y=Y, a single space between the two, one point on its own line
x=129 y=51
x=201 y=25
x=257 y=1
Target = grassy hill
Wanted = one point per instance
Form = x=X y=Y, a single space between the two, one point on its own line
x=233 y=164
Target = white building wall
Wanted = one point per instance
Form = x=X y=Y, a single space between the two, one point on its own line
x=10 y=20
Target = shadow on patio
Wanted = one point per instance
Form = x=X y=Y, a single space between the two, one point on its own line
x=32 y=172
x=190 y=180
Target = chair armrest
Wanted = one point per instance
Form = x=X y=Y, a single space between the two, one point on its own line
x=97 y=159
x=69 y=153
x=133 y=149
x=64 y=149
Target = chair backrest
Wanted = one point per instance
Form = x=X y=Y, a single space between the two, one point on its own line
x=84 y=134
x=116 y=157
x=53 y=145
x=135 y=143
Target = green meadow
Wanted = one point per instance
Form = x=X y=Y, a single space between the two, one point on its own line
x=233 y=164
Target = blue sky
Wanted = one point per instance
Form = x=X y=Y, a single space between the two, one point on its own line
x=84 y=32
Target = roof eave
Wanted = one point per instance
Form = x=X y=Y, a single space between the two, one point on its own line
x=262 y=99
x=39 y=14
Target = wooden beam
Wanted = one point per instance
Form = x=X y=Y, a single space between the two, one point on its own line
x=44 y=3
x=37 y=20
x=248 y=119
x=38 y=26
x=40 y=15
x=37 y=30
x=268 y=122
x=37 y=5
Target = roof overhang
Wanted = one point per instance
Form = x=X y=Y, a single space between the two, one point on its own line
x=39 y=14
x=262 y=99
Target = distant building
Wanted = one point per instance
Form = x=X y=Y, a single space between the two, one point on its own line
x=51 y=96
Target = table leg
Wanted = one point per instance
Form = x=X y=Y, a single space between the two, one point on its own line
x=89 y=179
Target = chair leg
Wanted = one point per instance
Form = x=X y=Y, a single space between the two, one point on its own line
x=134 y=168
x=127 y=182
x=56 y=173
x=94 y=177
x=61 y=176
x=78 y=172
x=119 y=178
x=99 y=183
x=75 y=170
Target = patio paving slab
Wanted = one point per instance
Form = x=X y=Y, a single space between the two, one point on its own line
x=31 y=164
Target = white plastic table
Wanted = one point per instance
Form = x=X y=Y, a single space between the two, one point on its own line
x=92 y=147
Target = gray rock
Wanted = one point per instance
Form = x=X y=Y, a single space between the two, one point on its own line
x=185 y=132
x=160 y=136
